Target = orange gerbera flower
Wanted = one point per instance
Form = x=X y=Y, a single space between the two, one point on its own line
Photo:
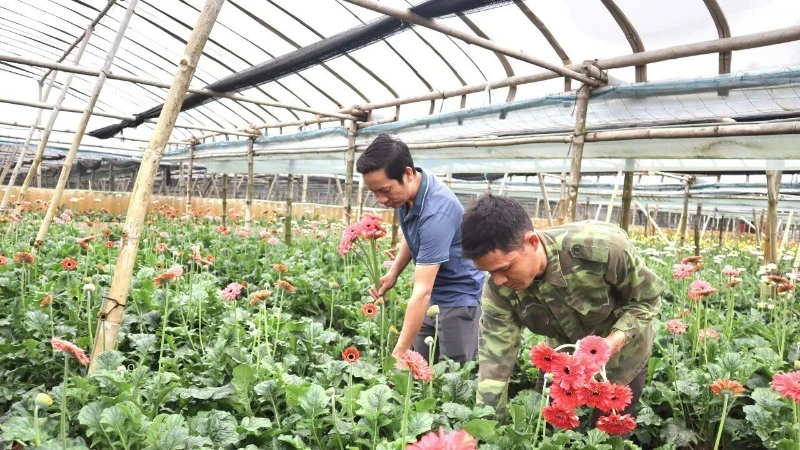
x=46 y=301
x=69 y=264
x=285 y=284
x=351 y=355
x=259 y=296
x=726 y=386
x=370 y=309
x=24 y=258
x=281 y=268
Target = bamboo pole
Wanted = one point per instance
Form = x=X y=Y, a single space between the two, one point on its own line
x=771 y=236
x=736 y=232
x=189 y=185
x=576 y=150
x=546 y=202
x=610 y=209
x=248 y=204
x=408 y=16
x=272 y=186
x=304 y=195
x=350 y=163
x=721 y=230
x=697 y=218
x=76 y=140
x=627 y=196
x=110 y=317
x=562 y=199
x=785 y=234
x=756 y=228
x=684 y=215
x=654 y=224
x=225 y=200
x=46 y=133
x=12 y=152
x=287 y=222
x=360 y=197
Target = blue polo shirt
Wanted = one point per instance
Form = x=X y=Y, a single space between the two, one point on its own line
x=432 y=229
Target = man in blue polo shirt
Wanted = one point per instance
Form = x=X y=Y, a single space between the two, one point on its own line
x=430 y=218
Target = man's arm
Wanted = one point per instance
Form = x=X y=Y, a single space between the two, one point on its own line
x=497 y=350
x=401 y=260
x=639 y=288
x=424 y=277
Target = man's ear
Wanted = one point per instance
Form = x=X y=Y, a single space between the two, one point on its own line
x=408 y=174
x=532 y=239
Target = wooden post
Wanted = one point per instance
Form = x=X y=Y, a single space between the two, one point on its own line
x=736 y=232
x=224 y=199
x=328 y=193
x=395 y=227
x=111 y=180
x=272 y=186
x=771 y=236
x=448 y=179
x=586 y=210
x=684 y=215
x=654 y=224
x=248 y=204
x=287 y=223
x=721 y=229
x=304 y=194
x=785 y=234
x=697 y=218
x=360 y=197
x=613 y=197
x=576 y=150
x=562 y=199
x=546 y=202
x=110 y=317
x=78 y=137
x=45 y=133
x=352 y=129
x=756 y=228
x=190 y=173
x=627 y=197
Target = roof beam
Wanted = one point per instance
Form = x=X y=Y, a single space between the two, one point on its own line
x=723 y=30
x=408 y=16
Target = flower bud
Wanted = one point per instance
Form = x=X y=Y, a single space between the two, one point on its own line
x=43 y=400
x=797 y=364
x=433 y=311
x=89 y=287
x=429 y=341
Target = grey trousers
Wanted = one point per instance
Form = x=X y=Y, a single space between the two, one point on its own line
x=457 y=337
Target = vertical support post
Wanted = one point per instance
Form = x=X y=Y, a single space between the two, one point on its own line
x=46 y=132
x=771 y=236
x=785 y=234
x=395 y=227
x=248 y=204
x=627 y=197
x=756 y=228
x=224 y=199
x=360 y=197
x=576 y=150
x=304 y=195
x=586 y=210
x=684 y=215
x=352 y=129
x=111 y=180
x=110 y=316
x=448 y=179
x=546 y=204
x=613 y=197
x=721 y=229
x=697 y=218
x=272 y=186
x=189 y=175
x=736 y=232
x=562 y=199
x=79 y=132
x=287 y=222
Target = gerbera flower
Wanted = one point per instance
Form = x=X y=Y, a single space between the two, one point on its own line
x=46 y=301
x=66 y=346
x=24 y=258
x=619 y=397
x=286 y=285
x=595 y=393
x=682 y=271
x=3 y=260
x=109 y=244
x=560 y=417
x=566 y=398
x=573 y=373
x=416 y=363
x=231 y=291
x=259 y=296
x=707 y=333
x=676 y=327
x=788 y=385
x=545 y=357
x=595 y=348
x=370 y=309
x=106 y=233
x=616 y=424
x=281 y=268
x=351 y=355
x=273 y=241
x=454 y=440
x=69 y=264
x=726 y=386
x=692 y=259
x=161 y=247
x=729 y=271
x=699 y=289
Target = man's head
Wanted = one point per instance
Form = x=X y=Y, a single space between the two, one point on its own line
x=388 y=169
x=498 y=236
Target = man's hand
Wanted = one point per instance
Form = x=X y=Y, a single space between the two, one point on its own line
x=387 y=282
x=615 y=341
x=399 y=351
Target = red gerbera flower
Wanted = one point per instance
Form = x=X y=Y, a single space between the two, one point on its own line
x=616 y=424
x=69 y=264
x=414 y=362
x=573 y=373
x=595 y=394
x=454 y=440
x=545 y=357
x=351 y=355
x=788 y=385
x=67 y=346
x=566 y=398
x=370 y=309
x=560 y=417
x=595 y=348
x=619 y=397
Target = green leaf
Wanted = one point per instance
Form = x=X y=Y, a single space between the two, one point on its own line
x=243 y=376
x=426 y=405
x=110 y=360
x=167 y=432
x=481 y=429
x=314 y=402
x=37 y=322
x=206 y=393
x=17 y=428
x=456 y=411
x=767 y=398
x=758 y=416
x=143 y=343
x=251 y=425
x=419 y=423
x=218 y=426
x=89 y=416
x=375 y=402
x=456 y=388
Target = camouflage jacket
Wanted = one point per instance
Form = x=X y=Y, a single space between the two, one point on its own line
x=595 y=282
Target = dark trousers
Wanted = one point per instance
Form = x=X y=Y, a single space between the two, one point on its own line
x=457 y=337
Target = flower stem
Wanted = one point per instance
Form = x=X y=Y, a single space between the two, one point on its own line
x=539 y=418
x=722 y=421
x=406 y=404
x=163 y=328
x=64 y=404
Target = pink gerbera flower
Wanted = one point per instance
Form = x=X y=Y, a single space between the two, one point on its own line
x=699 y=289
x=416 y=363
x=682 y=271
x=595 y=348
x=454 y=440
x=595 y=394
x=788 y=385
x=676 y=327
x=231 y=291
x=67 y=346
x=572 y=374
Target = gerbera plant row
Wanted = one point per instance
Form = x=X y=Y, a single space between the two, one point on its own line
x=233 y=339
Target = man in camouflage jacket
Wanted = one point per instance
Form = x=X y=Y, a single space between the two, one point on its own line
x=567 y=282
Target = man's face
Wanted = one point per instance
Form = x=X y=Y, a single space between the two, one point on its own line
x=390 y=192
x=517 y=268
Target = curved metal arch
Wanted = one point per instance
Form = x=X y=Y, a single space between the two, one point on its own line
x=723 y=31
x=630 y=34
x=534 y=19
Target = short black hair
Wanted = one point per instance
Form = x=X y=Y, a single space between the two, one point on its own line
x=387 y=153
x=493 y=223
